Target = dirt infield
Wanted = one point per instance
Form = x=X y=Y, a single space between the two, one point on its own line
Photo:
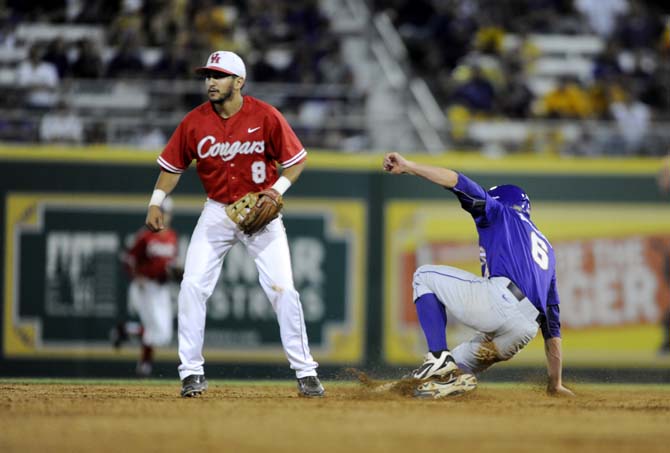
x=270 y=417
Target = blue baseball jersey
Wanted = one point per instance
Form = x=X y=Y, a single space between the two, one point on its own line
x=510 y=245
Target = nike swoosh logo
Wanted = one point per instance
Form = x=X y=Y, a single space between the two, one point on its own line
x=250 y=130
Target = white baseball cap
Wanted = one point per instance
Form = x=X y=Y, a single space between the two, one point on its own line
x=226 y=62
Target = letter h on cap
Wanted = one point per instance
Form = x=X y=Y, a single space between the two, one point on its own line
x=215 y=58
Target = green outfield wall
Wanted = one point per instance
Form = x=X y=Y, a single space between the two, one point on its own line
x=356 y=236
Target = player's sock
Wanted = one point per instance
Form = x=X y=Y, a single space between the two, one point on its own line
x=147 y=353
x=433 y=319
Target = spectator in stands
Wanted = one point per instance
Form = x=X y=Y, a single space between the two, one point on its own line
x=306 y=22
x=39 y=78
x=36 y=11
x=128 y=23
x=527 y=52
x=490 y=67
x=303 y=64
x=411 y=17
x=172 y=63
x=450 y=33
x=516 y=98
x=640 y=30
x=655 y=91
x=639 y=65
x=412 y=20
x=165 y=22
x=88 y=63
x=61 y=125
x=127 y=62
x=476 y=94
x=214 y=26
x=567 y=100
x=92 y=12
x=543 y=16
x=606 y=64
x=489 y=38
x=261 y=69
x=601 y=94
x=602 y=15
x=57 y=55
x=332 y=68
x=265 y=24
x=633 y=120
x=7 y=35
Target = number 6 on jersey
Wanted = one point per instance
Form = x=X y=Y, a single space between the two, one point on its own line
x=539 y=250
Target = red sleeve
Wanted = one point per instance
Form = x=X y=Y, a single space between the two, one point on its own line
x=286 y=147
x=176 y=157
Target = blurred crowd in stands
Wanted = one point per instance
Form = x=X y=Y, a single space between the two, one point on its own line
x=479 y=57
x=462 y=49
x=280 y=41
x=154 y=40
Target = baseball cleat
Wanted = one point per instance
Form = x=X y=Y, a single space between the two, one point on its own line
x=434 y=367
x=456 y=385
x=310 y=387
x=193 y=385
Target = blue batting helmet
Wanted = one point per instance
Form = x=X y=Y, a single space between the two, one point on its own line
x=511 y=196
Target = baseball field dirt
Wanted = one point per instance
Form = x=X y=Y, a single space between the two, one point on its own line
x=129 y=416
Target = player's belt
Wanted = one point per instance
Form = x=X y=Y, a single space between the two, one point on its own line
x=516 y=291
x=511 y=286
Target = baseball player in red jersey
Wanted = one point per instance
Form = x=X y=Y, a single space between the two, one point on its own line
x=150 y=262
x=237 y=142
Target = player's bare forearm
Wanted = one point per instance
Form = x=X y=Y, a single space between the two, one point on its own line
x=166 y=182
x=396 y=164
x=554 y=354
x=441 y=176
x=293 y=172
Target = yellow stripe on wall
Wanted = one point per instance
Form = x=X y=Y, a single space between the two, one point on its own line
x=329 y=160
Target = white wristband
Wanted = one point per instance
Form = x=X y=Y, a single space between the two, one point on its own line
x=282 y=184
x=157 y=198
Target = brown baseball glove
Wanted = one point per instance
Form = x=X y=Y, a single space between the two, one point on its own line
x=255 y=210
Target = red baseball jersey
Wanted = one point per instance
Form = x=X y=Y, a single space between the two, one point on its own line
x=236 y=155
x=151 y=253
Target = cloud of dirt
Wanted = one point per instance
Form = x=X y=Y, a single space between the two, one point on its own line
x=378 y=389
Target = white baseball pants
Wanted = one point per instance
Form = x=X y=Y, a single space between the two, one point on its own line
x=151 y=301
x=212 y=238
x=504 y=324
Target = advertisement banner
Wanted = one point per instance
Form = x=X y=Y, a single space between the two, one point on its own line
x=613 y=271
x=65 y=287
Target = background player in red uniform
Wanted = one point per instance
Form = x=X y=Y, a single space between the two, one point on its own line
x=150 y=262
x=237 y=142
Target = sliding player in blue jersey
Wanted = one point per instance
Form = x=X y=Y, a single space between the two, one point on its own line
x=515 y=295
